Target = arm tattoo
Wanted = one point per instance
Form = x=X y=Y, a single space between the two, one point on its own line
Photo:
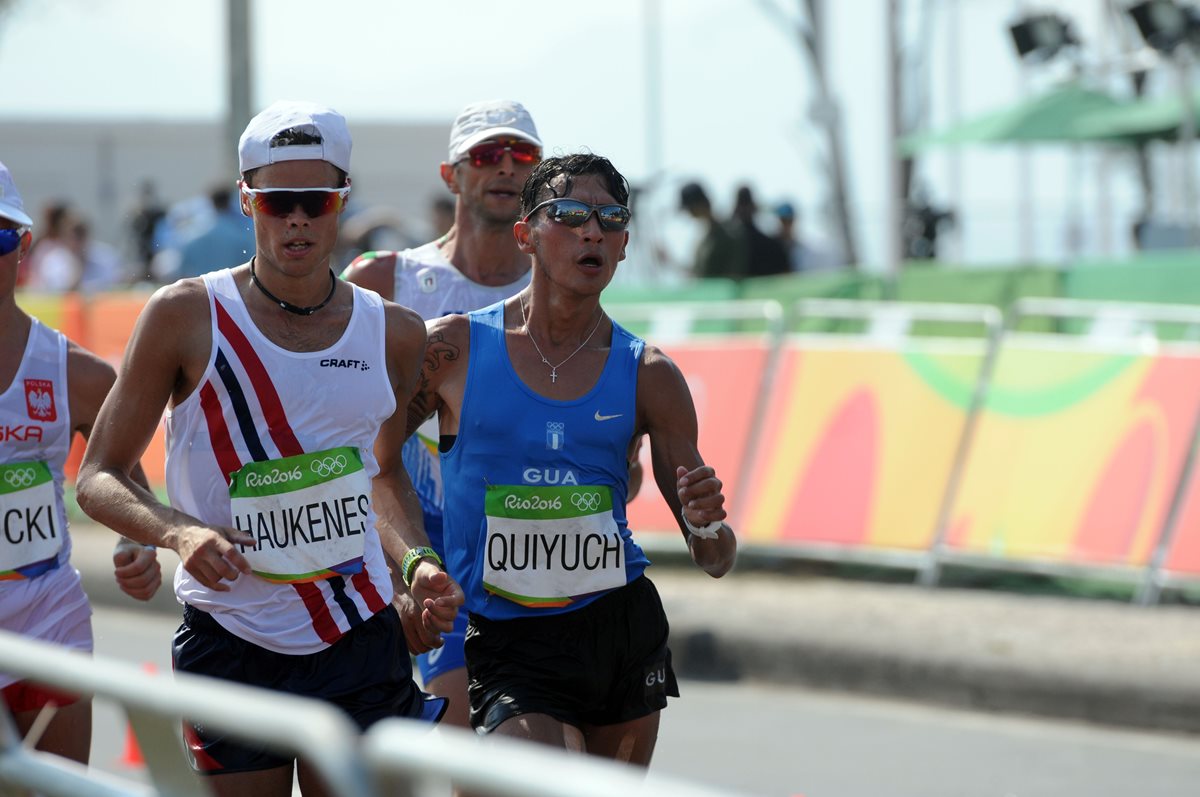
x=425 y=401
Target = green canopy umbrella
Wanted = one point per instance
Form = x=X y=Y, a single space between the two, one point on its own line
x=1057 y=116
x=1159 y=117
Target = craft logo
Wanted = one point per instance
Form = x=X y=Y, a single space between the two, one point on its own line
x=555 y=435
x=39 y=399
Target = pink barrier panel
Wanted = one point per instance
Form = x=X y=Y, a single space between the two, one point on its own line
x=725 y=379
x=1183 y=556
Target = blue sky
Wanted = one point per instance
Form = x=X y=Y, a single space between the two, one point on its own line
x=733 y=89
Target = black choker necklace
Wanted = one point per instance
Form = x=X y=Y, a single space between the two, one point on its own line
x=294 y=308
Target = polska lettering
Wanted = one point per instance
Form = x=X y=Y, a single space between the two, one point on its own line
x=533 y=502
x=307 y=524
x=20 y=433
x=20 y=525
x=544 y=552
x=276 y=476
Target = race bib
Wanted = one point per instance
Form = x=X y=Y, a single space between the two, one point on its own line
x=31 y=535
x=547 y=546
x=307 y=514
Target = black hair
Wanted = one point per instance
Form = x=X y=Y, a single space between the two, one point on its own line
x=537 y=186
x=296 y=136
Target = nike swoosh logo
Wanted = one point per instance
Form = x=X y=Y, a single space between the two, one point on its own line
x=600 y=417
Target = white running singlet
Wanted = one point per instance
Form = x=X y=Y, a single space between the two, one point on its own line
x=40 y=593
x=258 y=403
x=429 y=284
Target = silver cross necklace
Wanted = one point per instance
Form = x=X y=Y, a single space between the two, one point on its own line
x=554 y=368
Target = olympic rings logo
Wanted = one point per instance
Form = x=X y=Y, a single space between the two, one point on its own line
x=553 y=426
x=20 y=477
x=586 y=502
x=329 y=466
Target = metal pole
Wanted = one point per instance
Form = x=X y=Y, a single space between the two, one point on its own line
x=1151 y=587
x=932 y=572
x=954 y=103
x=1187 y=137
x=238 y=113
x=894 y=203
x=652 y=52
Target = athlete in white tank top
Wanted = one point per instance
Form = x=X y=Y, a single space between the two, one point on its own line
x=262 y=406
x=40 y=592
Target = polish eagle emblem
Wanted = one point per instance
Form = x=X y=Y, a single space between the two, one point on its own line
x=39 y=399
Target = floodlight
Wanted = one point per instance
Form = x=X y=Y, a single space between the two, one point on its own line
x=1164 y=24
x=1040 y=37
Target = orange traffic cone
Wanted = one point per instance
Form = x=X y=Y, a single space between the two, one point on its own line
x=132 y=756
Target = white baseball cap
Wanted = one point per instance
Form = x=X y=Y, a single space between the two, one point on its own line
x=261 y=144
x=11 y=206
x=491 y=119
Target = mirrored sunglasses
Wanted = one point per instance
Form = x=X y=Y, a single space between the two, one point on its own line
x=573 y=213
x=489 y=153
x=280 y=202
x=11 y=239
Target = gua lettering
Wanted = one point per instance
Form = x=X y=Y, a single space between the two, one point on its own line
x=305 y=524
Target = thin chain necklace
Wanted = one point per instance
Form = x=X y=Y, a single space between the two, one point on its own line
x=294 y=308
x=554 y=368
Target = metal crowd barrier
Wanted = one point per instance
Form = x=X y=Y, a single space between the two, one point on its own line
x=394 y=758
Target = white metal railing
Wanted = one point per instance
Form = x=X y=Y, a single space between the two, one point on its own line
x=390 y=759
x=504 y=767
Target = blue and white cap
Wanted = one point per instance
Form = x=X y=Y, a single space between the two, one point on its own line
x=11 y=206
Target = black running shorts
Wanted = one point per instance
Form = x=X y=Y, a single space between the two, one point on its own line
x=367 y=673
x=603 y=664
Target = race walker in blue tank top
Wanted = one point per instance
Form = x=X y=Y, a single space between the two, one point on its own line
x=535 y=488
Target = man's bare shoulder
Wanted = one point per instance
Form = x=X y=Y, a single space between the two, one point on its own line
x=454 y=328
x=375 y=271
x=402 y=320
x=179 y=304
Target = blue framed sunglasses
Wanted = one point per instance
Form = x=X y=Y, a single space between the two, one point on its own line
x=11 y=239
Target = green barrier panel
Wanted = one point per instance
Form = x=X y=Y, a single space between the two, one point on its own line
x=695 y=291
x=997 y=287
x=1170 y=277
x=706 y=290
x=787 y=289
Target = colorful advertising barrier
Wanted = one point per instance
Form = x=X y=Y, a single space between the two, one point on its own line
x=1078 y=453
x=857 y=444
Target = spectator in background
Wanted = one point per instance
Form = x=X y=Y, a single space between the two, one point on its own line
x=52 y=265
x=801 y=255
x=441 y=215
x=717 y=253
x=143 y=224
x=225 y=239
x=764 y=255
x=101 y=268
